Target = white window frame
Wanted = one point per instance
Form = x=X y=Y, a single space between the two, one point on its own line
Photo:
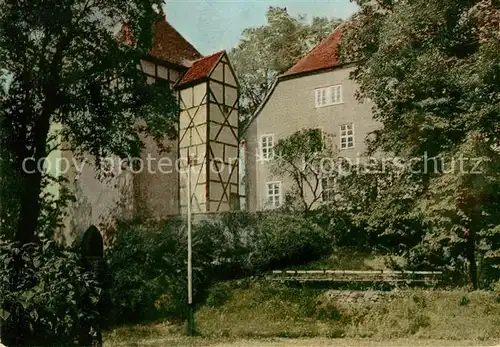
x=327 y=96
x=270 y=148
x=344 y=134
x=272 y=199
x=330 y=191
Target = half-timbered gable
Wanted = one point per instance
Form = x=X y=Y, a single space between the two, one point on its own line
x=156 y=191
x=208 y=134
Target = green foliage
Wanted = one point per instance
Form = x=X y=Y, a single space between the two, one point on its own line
x=345 y=230
x=68 y=67
x=142 y=263
x=304 y=157
x=376 y=198
x=464 y=301
x=146 y=264
x=269 y=50
x=9 y=196
x=218 y=294
x=54 y=303
x=280 y=240
x=432 y=73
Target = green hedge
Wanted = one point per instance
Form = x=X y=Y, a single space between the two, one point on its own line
x=46 y=296
x=147 y=262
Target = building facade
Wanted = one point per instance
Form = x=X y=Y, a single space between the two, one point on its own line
x=207 y=144
x=316 y=93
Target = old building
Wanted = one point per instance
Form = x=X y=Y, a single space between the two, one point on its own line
x=207 y=91
x=316 y=93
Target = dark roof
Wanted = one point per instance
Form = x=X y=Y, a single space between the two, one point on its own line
x=169 y=45
x=201 y=68
x=323 y=56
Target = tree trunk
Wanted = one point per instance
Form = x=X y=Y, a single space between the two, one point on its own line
x=31 y=173
x=31 y=185
x=30 y=208
x=470 y=252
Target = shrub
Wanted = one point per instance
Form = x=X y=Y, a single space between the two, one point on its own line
x=147 y=261
x=142 y=264
x=52 y=300
x=279 y=240
x=147 y=268
x=464 y=301
x=218 y=294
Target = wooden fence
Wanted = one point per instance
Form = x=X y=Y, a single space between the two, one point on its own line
x=350 y=276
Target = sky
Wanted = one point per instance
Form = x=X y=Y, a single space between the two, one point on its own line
x=213 y=25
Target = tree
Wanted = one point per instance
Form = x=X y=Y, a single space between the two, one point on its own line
x=432 y=69
x=306 y=157
x=271 y=49
x=67 y=67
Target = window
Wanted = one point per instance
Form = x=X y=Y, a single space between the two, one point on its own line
x=273 y=194
x=347 y=136
x=328 y=96
x=328 y=189
x=321 y=97
x=266 y=146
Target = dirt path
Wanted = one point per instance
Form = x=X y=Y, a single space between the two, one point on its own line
x=313 y=342
x=348 y=343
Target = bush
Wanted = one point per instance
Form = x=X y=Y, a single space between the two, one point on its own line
x=52 y=300
x=147 y=268
x=147 y=261
x=279 y=240
x=143 y=263
x=343 y=231
x=218 y=294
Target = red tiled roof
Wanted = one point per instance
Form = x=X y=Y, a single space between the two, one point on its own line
x=170 y=46
x=124 y=35
x=324 y=55
x=201 y=68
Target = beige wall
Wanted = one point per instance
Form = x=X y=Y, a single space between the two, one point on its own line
x=193 y=140
x=99 y=200
x=156 y=190
x=290 y=108
x=150 y=193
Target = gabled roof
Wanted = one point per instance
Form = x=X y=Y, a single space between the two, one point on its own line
x=201 y=68
x=170 y=46
x=323 y=56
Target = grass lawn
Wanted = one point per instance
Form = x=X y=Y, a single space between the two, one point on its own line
x=264 y=315
x=261 y=310
x=256 y=313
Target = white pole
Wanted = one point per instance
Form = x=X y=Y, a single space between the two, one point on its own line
x=190 y=256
